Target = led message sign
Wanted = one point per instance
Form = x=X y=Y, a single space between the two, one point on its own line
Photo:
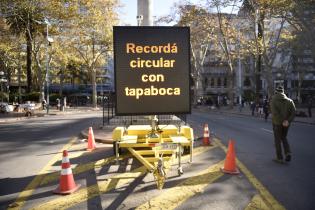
x=152 y=67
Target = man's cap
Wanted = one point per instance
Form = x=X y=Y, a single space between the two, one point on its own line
x=280 y=89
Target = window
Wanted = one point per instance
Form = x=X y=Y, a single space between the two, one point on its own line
x=307 y=60
x=247 y=82
x=206 y=82
x=219 y=82
x=211 y=82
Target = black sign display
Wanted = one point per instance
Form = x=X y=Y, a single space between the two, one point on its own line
x=152 y=68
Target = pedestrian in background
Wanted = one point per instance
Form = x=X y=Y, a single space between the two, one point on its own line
x=44 y=103
x=260 y=108
x=283 y=113
x=253 y=107
x=58 y=103
x=310 y=106
x=266 y=109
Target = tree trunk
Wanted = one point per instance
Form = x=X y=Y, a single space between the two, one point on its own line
x=29 y=62
x=41 y=82
x=61 y=82
x=230 y=86
x=197 y=89
x=94 y=93
x=269 y=81
x=41 y=92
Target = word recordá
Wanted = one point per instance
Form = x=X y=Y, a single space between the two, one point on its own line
x=151 y=91
x=168 y=48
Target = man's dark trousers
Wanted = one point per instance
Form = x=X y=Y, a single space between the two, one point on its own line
x=280 y=133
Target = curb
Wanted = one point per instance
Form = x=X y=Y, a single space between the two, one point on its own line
x=13 y=119
x=22 y=117
x=246 y=115
x=296 y=121
x=84 y=134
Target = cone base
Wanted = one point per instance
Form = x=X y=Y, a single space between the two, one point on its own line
x=90 y=150
x=208 y=144
x=230 y=172
x=57 y=191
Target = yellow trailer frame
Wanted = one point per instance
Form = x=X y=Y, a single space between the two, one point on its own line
x=153 y=150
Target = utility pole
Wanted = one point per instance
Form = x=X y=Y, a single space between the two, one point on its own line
x=145 y=9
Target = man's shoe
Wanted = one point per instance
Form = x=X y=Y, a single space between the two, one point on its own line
x=288 y=158
x=278 y=161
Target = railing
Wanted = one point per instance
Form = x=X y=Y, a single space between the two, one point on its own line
x=109 y=117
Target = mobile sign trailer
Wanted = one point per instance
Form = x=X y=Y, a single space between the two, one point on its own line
x=152 y=77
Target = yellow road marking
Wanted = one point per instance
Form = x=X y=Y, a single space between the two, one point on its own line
x=266 y=196
x=84 y=194
x=100 y=163
x=104 y=186
x=257 y=203
x=28 y=191
x=175 y=196
x=81 y=168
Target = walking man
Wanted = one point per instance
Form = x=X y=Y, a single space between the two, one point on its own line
x=283 y=113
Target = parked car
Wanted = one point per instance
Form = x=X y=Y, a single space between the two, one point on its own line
x=28 y=105
x=6 y=108
x=28 y=108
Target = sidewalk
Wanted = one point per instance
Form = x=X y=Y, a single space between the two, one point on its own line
x=245 y=111
x=16 y=116
x=101 y=134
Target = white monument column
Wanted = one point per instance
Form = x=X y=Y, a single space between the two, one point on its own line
x=145 y=9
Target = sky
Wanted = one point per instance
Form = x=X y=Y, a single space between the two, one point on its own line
x=129 y=11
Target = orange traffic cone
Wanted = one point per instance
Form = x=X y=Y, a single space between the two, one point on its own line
x=91 y=141
x=230 y=160
x=206 y=136
x=66 y=183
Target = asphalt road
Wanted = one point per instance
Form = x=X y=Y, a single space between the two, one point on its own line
x=26 y=147
x=292 y=184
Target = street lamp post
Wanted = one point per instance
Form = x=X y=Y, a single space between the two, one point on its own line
x=2 y=80
x=49 y=41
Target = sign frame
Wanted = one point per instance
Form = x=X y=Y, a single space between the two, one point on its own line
x=187 y=52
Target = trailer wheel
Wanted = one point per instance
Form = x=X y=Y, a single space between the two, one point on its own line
x=181 y=150
x=180 y=171
x=186 y=149
x=114 y=149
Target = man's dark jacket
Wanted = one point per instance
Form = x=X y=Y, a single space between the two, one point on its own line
x=282 y=108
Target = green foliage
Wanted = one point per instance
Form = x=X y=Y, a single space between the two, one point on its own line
x=32 y=96
x=249 y=95
x=4 y=96
x=53 y=97
x=14 y=96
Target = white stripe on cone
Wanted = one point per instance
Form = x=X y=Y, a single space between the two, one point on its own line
x=65 y=160
x=206 y=132
x=66 y=171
